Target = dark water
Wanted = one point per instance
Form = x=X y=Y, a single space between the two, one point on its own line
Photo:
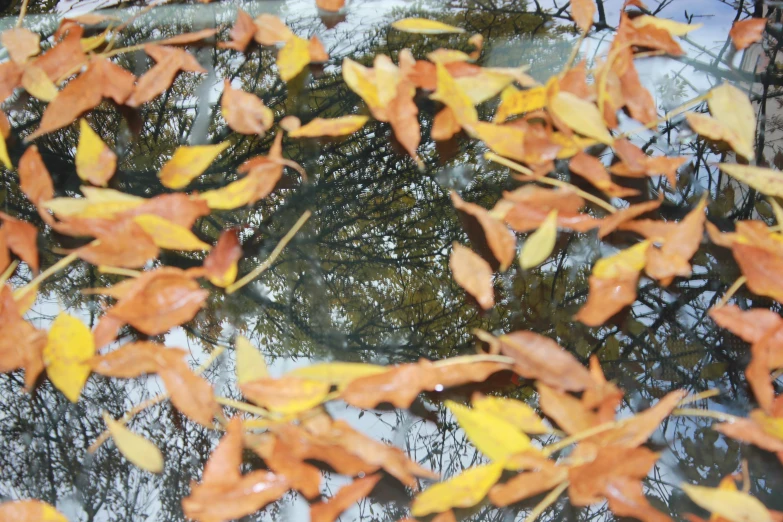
x=368 y=280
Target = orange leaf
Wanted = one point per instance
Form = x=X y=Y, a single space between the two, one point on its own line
x=526 y=485
x=494 y=238
x=473 y=274
x=404 y=118
x=672 y=259
x=187 y=38
x=610 y=223
x=762 y=268
x=566 y=410
x=245 y=112
x=317 y=51
x=21 y=44
x=21 y=345
x=123 y=244
x=583 y=11
x=190 y=393
x=329 y=127
x=270 y=30
x=638 y=429
x=34 y=178
x=287 y=394
x=330 y=5
x=169 y=62
x=626 y=499
x=746 y=32
x=36 y=510
x=20 y=237
x=587 y=482
x=591 y=168
x=130 y=360
x=329 y=511
x=241 y=33
x=303 y=477
x=221 y=263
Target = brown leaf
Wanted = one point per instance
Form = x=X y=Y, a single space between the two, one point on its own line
x=473 y=274
x=317 y=51
x=636 y=164
x=404 y=118
x=638 y=99
x=566 y=410
x=102 y=79
x=245 y=112
x=762 y=269
x=21 y=345
x=591 y=168
x=221 y=263
x=526 y=485
x=10 y=78
x=746 y=32
x=672 y=259
x=749 y=325
x=746 y=430
x=331 y=509
x=130 y=360
x=583 y=11
x=270 y=30
x=159 y=300
x=180 y=209
x=169 y=62
x=497 y=240
x=21 y=44
x=757 y=371
x=303 y=477
x=34 y=178
x=647 y=36
x=588 y=482
x=224 y=494
x=21 y=238
x=241 y=33
x=638 y=429
x=65 y=58
x=626 y=499
x=190 y=393
x=529 y=206
x=610 y=223
x=123 y=244
x=541 y=358
x=607 y=297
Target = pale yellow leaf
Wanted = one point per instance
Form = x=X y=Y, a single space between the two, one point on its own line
x=250 y=362
x=733 y=109
x=68 y=349
x=4 y=157
x=449 y=93
x=337 y=373
x=483 y=86
x=188 y=163
x=581 y=116
x=234 y=195
x=424 y=26
x=293 y=57
x=447 y=56
x=517 y=413
x=463 y=491
x=330 y=127
x=767 y=181
x=37 y=83
x=95 y=161
x=734 y=506
x=169 y=235
x=670 y=26
x=514 y=101
x=360 y=80
x=98 y=203
x=714 y=129
x=540 y=244
x=493 y=436
x=138 y=450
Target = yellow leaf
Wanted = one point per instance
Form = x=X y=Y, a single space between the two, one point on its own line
x=732 y=108
x=360 y=80
x=734 y=506
x=188 y=163
x=93 y=42
x=29 y=510
x=138 y=450
x=169 y=235
x=4 y=158
x=629 y=260
x=463 y=491
x=493 y=436
x=513 y=102
x=514 y=412
x=95 y=161
x=771 y=425
x=68 y=349
x=330 y=127
x=98 y=203
x=670 y=26
x=37 y=83
x=234 y=195
x=483 y=86
x=293 y=57
x=250 y=363
x=450 y=94
x=424 y=26
x=714 y=129
x=767 y=181
x=539 y=245
x=580 y=115
x=337 y=373
x=447 y=56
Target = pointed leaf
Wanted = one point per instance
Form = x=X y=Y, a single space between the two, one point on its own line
x=330 y=127
x=746 y=32
x=580 y=115
x=424 y=26
x=251 y=365
x=134 y=447
x=245 y=112
x=540 y=244
x=767 y=181
x=95 y=161
x=293 y=57
x=169 y=235
x=337 y=374
x=734 y=506
x=473 y=274
x=188 y=163
x=67 y=353
x=463 y=491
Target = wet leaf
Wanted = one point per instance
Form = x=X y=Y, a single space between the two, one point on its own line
x=424 y=26
x=190 y=393
x=514 y=412
x=34 y=178
x=169 y=62
x=539 y=245
x=716 y=130
x=583 y=11
x=251 y=365
x=245 y=112
x=588 y=482
x=473 y=274
x=330 y=5
x=130 y=360
x=330 y=510
x=188 y=163
x=68 y=350
x=293 y=57
x=122 y=244
x=465 y=490
x=317 y=51
x=338 y=374
x=580 y=115
x=591 y=169
x=636 y=431
x=731 y=106
x=766 y=181
x=187 y=38
x=95 y=161
x=241 y=33
x=134 y=447
x=30 y=510
x=571 y=414
x=492 y=436
x=361 y=80
x=169 y=235
x=286 y=395
x=21 y=345
x=734 y=506
x=747 y=32
x=330 y=127
x=221 y=263
x=626 y=499
x=514 y=101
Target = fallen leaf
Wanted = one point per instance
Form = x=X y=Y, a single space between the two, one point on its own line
x=514 y=101
x=539 y=245
x=37 y=83
x=473 y=274
x=579 y=115
x=138 y=450
x=169 y=62
x=445 y=56
x=760 y=267
x=526 y=485
x=583 y=11
x=187 y=38
x=590 y=168
x=670 y=26
x=293 y=57
x=626 y=498
x=679 y=246
x=767 y=181
x=338 y=374
x=746 y=32
x=286 y=395
x=450 y=94
x=245 y=112
x=731 y=106
x=640 y=427
x=588 y=482
x=20 y=43
x=330 y=5
x=169 y=235
x=403 y=115
x=303 y=477
x=190 y=393
x=21 y=344
x=21 y=238
x=221 y=263
x=571 y=414
x=122 y=244
x=329 y=127
x=188 y=163
x=714 y=129
x=34 y=178
x=331 y=509
x=95 y=161
x=241 y=33
x=515 y=412
x=251 y=365
x=496 y=237
x=270 y=30
x=424 y=26
x=30 y=510
x=66 y=355
x=130 y=360
x=463 y=491
x=734 y=506
x=610 y=223
x=506 y=140
x=317 y=51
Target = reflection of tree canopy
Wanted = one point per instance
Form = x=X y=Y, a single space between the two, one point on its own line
x=368 y=279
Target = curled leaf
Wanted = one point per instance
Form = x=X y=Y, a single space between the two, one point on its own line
x=330 y=127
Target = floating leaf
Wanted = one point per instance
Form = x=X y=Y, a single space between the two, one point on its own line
x=270 y=30
x=526 y=485
x=30 y=510
x=583 y=11
x=330 y=5
x=21 y=44
x=424 y=26
x=169 y=62
x=221 y=263
x=241 y=33
x=337 y=373
x=463 y=491
x=670 y=26
x=540 y=244
x=169 y=235
x=21 y=238
x=580 y=115
x=293 y=57
x=733 y=109
x=495 y=235
x=34 y=178
x=517 y=413
x=473 y=274
x=513 y=102
x=746 y=32
x=95 y=161
x=331 y=509
x=36 y=82
x=450 y=94
x=286 y=395
x=251 y=365
x=138 y=450
x=190 y=393
x=68 y=350
x=330 y=127
x=188 y=163
x=245 y=112
x=734 y=506
x=767 y=181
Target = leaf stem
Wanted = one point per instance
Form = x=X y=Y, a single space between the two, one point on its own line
x=274 y=255
x=105 y=269
x=731 y=291
x=8 y=272
x=585 y=434
x=547 y=501
x=694 y=412
x=22 y=13
x=469 y=359
x=699 y=396
x=243 y=406
x=59 y=265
